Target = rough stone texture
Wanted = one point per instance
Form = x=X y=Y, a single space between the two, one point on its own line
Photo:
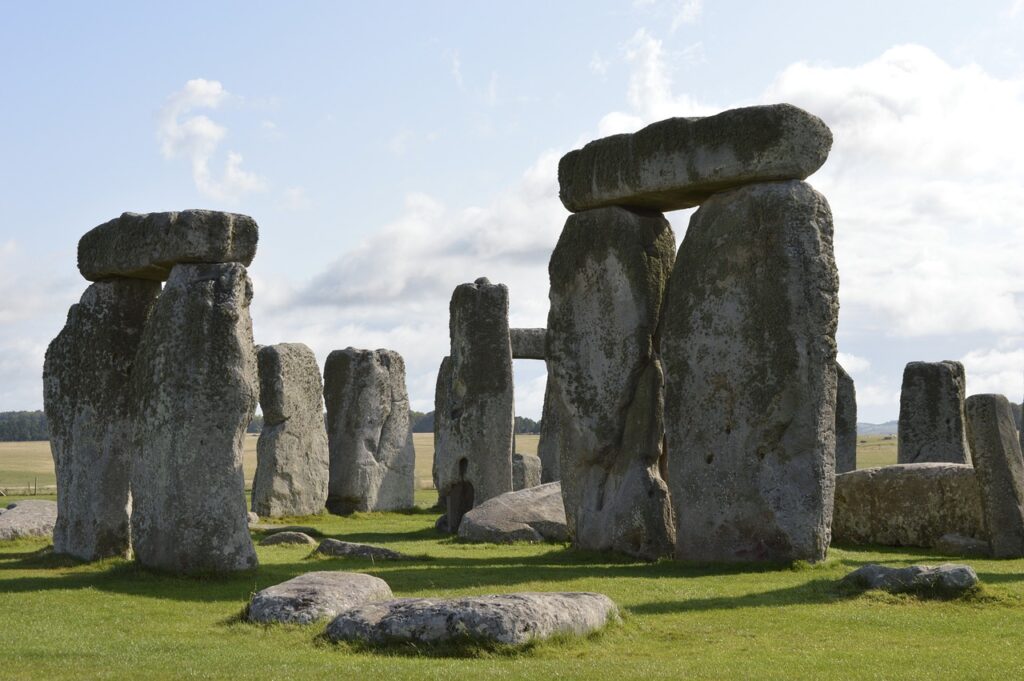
x=931 y=425
x=291 y=453
x=527 y=343
x=995 y=448
x=274 y=529
x=907 y=505
x=533 y=515
x=442 y=417
x=315 y=596
x=474 y=447
x=28 y=518
x=512 y=619
x=946 y=580
x=336 y=547
x=148 y=245
x=194 y=386
x=846 y=422
x=608 y=275
x=85 y=381
x=288 y=538
x=959 y=545
x=372 y=456
x=748 y=343
x=680 y=162
x=547 y=444
x=525 y=471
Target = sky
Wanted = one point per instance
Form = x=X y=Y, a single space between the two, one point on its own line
x=391 y=151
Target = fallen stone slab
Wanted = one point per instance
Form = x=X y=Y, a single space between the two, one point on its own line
x=336 y=547
x=949 y=579
x=288 y=538
x=511 y=619
x=959 y=545
x=534 y=514
x=148 y=245
x=527 y=343
x=679 y=162
x=274 y=529
x=28 y=518
x=315 y=596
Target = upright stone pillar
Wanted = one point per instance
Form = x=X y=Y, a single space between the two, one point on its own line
x=474 y=458
x=608 y=276
x=85 y=391
x=547 y=445
x=442 y=390
x=1000 y=469
x=372 y=455
x=748 y=343
x=291 y=454
x=194 y=387
x=931 y=426
x=846 y=422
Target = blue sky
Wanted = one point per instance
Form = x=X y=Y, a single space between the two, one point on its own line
x=391 y=151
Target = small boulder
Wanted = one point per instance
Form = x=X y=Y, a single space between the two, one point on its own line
x=511 y=619
x=534 y=514
x=345 y=549
x=29 y=518
x=949 y=579
x=315 y=596
x=290 y=538
x=958 y=545
x=526 y=471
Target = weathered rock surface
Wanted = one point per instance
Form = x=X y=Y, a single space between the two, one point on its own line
x=547 y=443
x=85 y=392
x=28 y=518
x=959 y=545
x=291 y=453
x=680 y=162
x=442 y=425
x=315 y=596
x=907 y=505
x=995 y=448
x=512 y=619
x=527 y=343
x=336 y=547
x=535 y=514
x=474 y=444
x=274 y=529
x=846 y=422
x=748 y=344
x=931 y=426
x=148 y=245
x=288 y=538
x=946 y=580
x=372 y=456
x=525 y=471
x=194 y=386
x=608 y=276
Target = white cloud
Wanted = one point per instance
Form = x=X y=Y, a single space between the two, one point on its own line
x=456 y=69
x=599 y=65
x=852 y=363
x=197 y=138
x=996 y=370
x=1016 y=8
x=682 y=12
x=296 y=199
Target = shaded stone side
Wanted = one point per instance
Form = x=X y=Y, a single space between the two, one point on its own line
x=749 y=349
x=527 y=343
x=1000 y=469
x=931 y=425
x=846 y=422
x=194 y=387
x=907 y=505
x=680 y=162
x=474 y=462
x=85 y=381
x=608 y=276
x=372 y=456
x=291 y=453
x=547 y=444
x=442 y=427
x=148 y=245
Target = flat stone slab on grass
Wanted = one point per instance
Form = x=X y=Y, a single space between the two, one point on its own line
x=148 y=245
x=288 y=538
x=29 y=518
x=275 y=529
x=511 y=619
x=336 y=547
x=315 y=596
x=949 y=579
x=534 y=514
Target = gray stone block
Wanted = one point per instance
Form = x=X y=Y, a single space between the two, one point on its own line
x=534 y=514
x=527 y=343
x=846 y=422
x=315 y=596
x=931 y=426
x=525 y=471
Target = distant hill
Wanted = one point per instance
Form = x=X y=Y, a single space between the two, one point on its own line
x=887 y=428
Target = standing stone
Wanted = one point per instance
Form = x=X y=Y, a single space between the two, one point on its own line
x=547 y=444
x=931 y=426
x=1000 y=468
x=749 y=349
x=608 y=276
x=194 y=386
x=525 y=471
x=442 y=390
x=85 y=380
x=291 y=454
x=474 y=447
x=372 y=455
x=846 y=422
